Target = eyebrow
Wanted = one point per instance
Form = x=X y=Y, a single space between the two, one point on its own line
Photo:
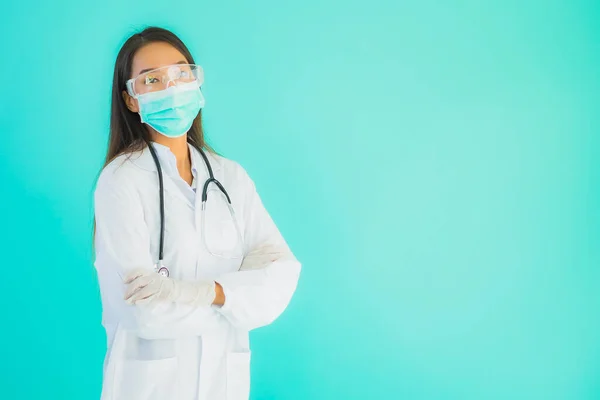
x=150 y=69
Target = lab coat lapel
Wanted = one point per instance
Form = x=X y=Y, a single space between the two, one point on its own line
x=172 y=189
x=145 y=161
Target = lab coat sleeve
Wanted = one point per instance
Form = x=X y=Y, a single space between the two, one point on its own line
x=122 y=244
x=261 y=290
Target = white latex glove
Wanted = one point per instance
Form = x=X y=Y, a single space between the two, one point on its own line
x=262 y=256
x=146 y=286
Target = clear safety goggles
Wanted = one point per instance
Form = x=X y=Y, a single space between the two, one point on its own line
x=164 y=77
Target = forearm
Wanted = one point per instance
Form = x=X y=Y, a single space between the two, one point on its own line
x=257 y=297
x=158 y=320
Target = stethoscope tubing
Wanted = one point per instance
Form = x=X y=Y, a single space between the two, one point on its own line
x=161 y=189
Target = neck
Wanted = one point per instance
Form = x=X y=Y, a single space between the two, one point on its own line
x=178 y=146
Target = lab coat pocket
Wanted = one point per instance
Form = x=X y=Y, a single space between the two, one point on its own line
x=220 y=227
x=145 y=379
x=238 y=375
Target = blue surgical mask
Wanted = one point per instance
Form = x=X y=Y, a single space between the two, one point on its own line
x=171 y=112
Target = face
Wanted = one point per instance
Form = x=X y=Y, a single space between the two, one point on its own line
x=149 y=57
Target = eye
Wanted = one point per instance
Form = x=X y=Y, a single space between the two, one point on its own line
x=151 y=79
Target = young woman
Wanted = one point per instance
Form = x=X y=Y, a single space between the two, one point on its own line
x=188 y=259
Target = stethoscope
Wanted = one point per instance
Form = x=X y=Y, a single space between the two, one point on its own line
x=160 y=268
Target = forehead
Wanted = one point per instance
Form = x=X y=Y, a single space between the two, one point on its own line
x=155 y=55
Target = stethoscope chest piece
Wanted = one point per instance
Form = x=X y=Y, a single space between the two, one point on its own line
x=162 y=270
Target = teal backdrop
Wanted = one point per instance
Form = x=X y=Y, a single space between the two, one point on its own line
x=434 y=165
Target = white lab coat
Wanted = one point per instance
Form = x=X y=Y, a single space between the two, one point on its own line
x=172 y=351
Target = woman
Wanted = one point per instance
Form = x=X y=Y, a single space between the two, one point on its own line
x=188 y=259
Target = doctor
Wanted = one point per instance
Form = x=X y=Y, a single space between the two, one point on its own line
x=188 y=259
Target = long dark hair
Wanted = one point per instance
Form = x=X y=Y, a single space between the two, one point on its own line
x=127 y=133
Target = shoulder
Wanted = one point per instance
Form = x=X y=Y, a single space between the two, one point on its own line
x=234 y=172
x=120 y=174
x=229 y=170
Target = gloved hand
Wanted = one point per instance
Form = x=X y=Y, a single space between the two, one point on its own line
x=146 y=286
x=263 y=255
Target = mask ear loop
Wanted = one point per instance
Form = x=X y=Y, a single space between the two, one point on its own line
x=130 y=91
x=136 y=97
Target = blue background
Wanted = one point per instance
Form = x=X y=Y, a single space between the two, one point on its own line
x=432 y=164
